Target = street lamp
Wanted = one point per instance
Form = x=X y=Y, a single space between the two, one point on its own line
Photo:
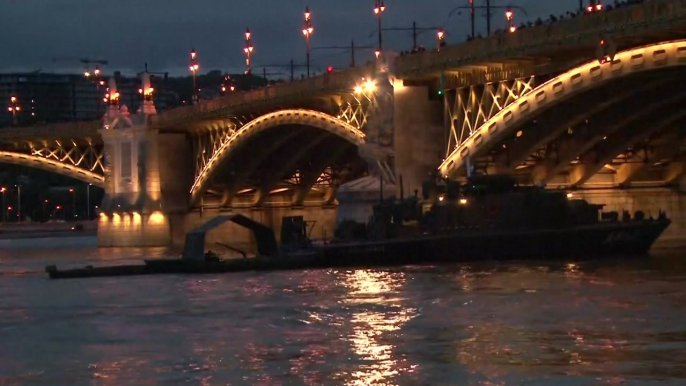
x=379 y=9
x=14 y=108
x=73 y=197
x=508 y=16
x=307 y=31
x=88 y=201
x=227 y=84
x=112 y=96
x=98 y=82
x=194 y=69
x=248 y=50
x=594 y=7
x=18 y=202
x=4 y=217
x=440 y=37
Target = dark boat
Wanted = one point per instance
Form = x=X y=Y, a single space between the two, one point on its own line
x=487 y=218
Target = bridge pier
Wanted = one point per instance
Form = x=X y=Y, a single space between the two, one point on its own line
x=418 y=134
x=405 y=130
x=146 y=191
x=146 y=195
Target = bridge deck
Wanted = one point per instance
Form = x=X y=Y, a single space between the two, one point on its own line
x=86 y=130
x=507 y=56
x=256 y=100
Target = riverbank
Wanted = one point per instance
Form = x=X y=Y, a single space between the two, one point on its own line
x=46 y=235
x=13 y=231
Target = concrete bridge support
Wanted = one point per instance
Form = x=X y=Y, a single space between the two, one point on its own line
x=146 y=194
x=419 y=137
x=405 y=129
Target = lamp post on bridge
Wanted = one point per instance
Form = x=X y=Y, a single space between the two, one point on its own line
x=98 y=82
x=14 y=108
x=593 y=6
x=508 y=16
x=307 y=31
x=379 y=9
x=73 y=206
x=4 y=216
x=227 y=84
x=248 y=50
x=440 y=38
x=18 y=203
x=194 y=69
x=88 y=201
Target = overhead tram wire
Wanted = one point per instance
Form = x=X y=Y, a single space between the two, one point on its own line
x=488 y=8
x=352 y=48
x=416 y=31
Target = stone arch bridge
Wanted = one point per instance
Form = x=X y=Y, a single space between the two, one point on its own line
x=536 y=104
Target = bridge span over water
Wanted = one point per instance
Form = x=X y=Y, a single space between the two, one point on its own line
x=539 y=104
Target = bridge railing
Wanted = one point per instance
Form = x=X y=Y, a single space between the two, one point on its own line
x=582 y=29
x=327 y=83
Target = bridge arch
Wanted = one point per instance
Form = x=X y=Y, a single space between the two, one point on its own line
x=302 y=117
x=54 y=166
x=571 y=83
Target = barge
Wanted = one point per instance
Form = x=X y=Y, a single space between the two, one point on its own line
x=486 y=218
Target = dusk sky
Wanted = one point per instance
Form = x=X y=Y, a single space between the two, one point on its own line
x=128 y=33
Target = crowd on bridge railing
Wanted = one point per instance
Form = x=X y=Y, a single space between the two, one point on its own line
x=552 y=19
x=305 y=85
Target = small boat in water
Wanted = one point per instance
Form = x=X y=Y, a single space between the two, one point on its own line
x=487 y=218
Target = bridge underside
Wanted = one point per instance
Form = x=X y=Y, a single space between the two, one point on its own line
x=625 y=132
x=290 y=165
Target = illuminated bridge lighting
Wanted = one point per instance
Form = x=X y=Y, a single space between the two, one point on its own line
x=314 y=119
x=52 y=166
x=568 y=84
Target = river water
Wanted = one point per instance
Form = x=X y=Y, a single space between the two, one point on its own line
x=591 y=323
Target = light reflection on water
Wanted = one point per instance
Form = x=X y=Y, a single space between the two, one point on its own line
x=595 y=323
x=371 y=327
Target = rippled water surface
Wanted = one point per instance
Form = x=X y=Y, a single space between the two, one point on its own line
x=592 y=323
